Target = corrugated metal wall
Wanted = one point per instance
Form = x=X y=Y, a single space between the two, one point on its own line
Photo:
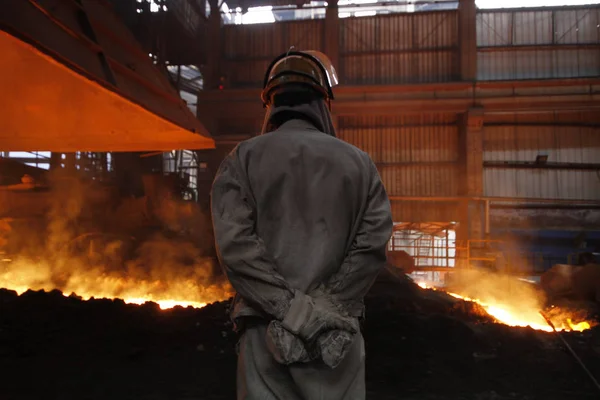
x=423 y=47
x=538 y=44
x=400 y=48
x=417 y=155
x=542 y=183
x=562 y=143
x=559 y=117
x=248 y=49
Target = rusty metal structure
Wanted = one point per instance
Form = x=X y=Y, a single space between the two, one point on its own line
x=79 y=81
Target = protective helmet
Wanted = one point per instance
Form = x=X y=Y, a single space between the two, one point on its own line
x=309 y=67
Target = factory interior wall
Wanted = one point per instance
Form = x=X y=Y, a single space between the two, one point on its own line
x=416 y=155
x=431 y=161
x=564 y=137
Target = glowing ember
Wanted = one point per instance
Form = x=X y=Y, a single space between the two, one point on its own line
x=193 y=290
x=159 y=254
x=165 y=304
x=423 y=285
x=522 y=316
x=581 y=326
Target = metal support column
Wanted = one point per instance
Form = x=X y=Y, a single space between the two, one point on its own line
x=467 y=15
x=470 y=176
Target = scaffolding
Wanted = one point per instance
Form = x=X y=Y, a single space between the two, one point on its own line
x=184 y=163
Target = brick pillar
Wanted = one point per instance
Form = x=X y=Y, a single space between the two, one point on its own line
x=467 y=36
x=471 y=176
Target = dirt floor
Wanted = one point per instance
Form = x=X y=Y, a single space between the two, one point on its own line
x=420 y=345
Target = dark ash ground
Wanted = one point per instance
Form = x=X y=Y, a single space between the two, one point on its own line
x=420 y=346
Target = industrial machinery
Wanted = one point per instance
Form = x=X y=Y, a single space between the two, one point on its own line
x=80 y=81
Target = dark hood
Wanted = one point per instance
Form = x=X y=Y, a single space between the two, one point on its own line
x=316 y=112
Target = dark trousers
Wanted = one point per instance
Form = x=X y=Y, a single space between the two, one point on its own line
x=260 y=377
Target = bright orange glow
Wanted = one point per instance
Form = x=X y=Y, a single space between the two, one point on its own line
x=73 y=252
x=87 y=283
x=520 y=316
x=581 y=326
x=50 y=103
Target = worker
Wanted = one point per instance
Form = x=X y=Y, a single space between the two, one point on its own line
x=301 y=223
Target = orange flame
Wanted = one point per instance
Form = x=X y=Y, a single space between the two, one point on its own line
x=158 y=255
x=21 y=276
x=523 y=317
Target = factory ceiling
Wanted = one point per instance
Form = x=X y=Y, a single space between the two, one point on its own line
x=73 y=78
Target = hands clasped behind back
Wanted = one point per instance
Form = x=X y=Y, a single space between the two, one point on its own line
x=315 y=327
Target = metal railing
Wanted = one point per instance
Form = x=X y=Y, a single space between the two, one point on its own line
x=431 y=255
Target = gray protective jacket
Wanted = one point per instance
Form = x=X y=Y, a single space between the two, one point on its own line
x=297 y=209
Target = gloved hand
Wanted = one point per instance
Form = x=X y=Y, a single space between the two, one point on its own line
x=334 y=346
x=309 y=317
x=286 y=348
x=312 y=328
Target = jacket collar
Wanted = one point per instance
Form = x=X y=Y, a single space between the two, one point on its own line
x=297 y=124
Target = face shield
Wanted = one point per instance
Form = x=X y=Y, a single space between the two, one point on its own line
x=305 y=68
x=327 y=66
x=309 y=67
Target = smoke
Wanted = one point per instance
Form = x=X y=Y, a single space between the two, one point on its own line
x=96 y=245
x=494 y=288
x=67 y=200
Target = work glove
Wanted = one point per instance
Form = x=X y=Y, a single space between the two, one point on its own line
x=312 y=328
x=334 y=345
x=286 y=348
x=309 y=317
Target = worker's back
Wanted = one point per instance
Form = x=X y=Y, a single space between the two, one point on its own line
x=310 y=190
x=301 y=222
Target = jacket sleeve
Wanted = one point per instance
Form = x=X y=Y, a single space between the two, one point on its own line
x=241 y=252
x=367 y=254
